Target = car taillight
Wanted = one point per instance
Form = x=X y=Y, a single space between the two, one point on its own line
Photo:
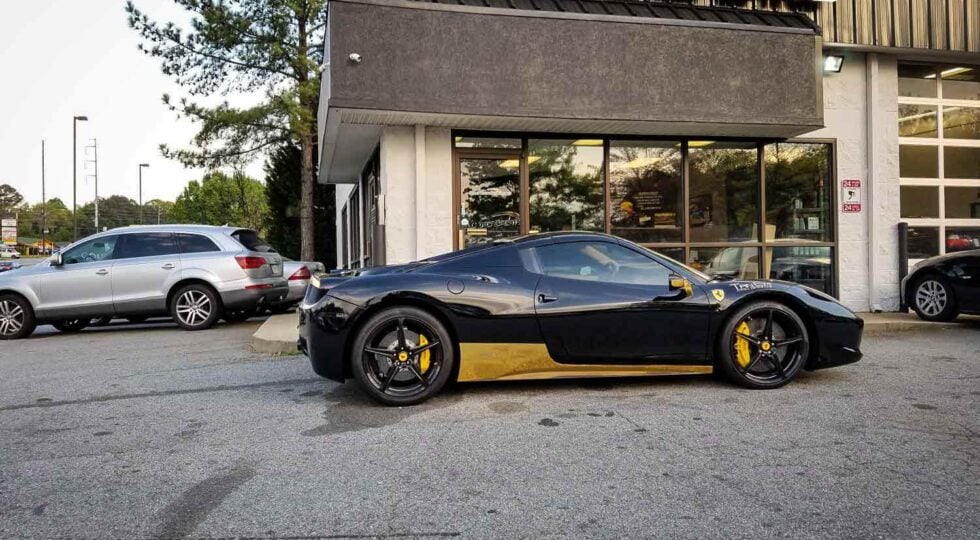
x=250 y=263
x=302 y=273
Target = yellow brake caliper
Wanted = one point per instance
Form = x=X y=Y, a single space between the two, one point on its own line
x=742 y=355
x=424 y=357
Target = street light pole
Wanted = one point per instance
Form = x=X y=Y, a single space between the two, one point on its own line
x=44 y=206
x=74 y=172
x=147 y=165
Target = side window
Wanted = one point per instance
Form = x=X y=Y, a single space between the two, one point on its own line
x=601 y=262
x=94 y=250
x=146 y=245
x=195 y=243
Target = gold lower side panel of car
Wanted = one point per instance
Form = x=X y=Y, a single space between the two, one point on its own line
x=525 y=361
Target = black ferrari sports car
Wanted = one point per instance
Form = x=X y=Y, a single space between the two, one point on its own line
x=940 y=288
x=563 y=305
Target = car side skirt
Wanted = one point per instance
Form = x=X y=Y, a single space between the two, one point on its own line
x=526 y=361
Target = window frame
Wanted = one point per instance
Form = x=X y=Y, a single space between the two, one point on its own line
x=761 y=243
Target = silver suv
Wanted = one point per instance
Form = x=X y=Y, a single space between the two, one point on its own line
x=194 y=273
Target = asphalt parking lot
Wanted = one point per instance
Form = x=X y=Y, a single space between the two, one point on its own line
x=153 y=432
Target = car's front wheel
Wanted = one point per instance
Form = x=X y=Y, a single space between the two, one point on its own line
x=933 y=299
x=195 y=307
x=16 y=317
x=70 y=326
x=763 y=345
x=402 y=356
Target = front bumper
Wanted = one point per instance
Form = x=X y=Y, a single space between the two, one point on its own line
x=839 y=342
x=324 y=328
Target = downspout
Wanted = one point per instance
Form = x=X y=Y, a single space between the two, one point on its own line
x=873 y=134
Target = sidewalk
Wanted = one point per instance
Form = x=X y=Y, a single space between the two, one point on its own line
x=277 y=336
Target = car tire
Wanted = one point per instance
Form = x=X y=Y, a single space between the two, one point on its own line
x=933 y=299
x=239 y=315
x=388 y=363
x=71 y=326
x=195 y=307
x=775 y=347
x=16 y=317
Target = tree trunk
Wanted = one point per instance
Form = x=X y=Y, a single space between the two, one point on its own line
x=307 y=251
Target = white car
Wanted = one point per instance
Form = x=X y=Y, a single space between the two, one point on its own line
x=7 y=252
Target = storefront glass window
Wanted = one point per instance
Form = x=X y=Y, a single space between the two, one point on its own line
x=919 y=201
x=811 y=266
x=923 y=242
x=962 y=238
x=724 y=191
x=961 y=83
x=961 y=162
x=961 y=122
x=962 y=202
x=646 y=192
x=566 y=181
x=917 y=121
x=799 y=187
x=918 y=161
x=489 y=200
x=916 y=80
x=735 y=262
x=674 y=253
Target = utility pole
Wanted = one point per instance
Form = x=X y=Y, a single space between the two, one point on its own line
x=44 y=206
x=74 y=172
x=95 y=162
x=141 y=189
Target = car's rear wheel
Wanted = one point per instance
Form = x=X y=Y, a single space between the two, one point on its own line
x=933 y=299
x=763 y=345
x=195 y=307
x=402 y=356
x=70 y=326
x=16 y=317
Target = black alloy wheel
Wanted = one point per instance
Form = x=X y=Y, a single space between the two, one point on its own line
x=402 y=356
x=933 y=299
x=16 y=317
x=70 y=326
x=763 y=345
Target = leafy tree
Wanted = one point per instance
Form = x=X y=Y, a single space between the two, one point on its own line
x=245 y=45
x=157 y=211
x=220 y=199
x=58 y=221
x=10 y=198
x=282 y=179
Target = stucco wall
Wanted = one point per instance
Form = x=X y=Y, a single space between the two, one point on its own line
x=846 y=118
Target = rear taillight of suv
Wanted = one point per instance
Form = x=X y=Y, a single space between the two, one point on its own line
x=302 y=273
x=249 y=262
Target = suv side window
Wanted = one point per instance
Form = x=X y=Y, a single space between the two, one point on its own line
x=146 y=245
x=195 y=243
x=94 y=250
x=601 y=262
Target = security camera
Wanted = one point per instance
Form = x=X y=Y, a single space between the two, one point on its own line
x=354 y=57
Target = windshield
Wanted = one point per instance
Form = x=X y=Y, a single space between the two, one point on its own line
x=252 y=241
x=704 y=277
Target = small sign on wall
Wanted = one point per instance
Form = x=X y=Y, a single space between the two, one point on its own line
x=851 y=195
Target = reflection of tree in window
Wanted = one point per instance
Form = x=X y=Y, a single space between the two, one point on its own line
x=566 y=186
x=724 y=194
x=645 y=181
x=489 y=191
x=798 y=192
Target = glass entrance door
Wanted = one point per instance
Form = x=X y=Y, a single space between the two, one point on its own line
x=489 y=199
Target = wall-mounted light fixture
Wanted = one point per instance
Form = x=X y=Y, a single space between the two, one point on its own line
x=833 y=64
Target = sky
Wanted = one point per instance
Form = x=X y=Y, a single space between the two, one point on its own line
x=62 y=58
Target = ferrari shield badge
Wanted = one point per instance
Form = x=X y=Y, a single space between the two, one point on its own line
x=719 y=294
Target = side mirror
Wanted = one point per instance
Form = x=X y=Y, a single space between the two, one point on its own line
x=57 y=261
x=681 y=285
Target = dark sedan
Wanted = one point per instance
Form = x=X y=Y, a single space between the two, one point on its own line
x=940 y=288
x=563 y=305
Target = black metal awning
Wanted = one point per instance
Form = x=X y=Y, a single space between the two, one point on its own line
x=649 y=9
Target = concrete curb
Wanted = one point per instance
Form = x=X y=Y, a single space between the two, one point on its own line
x=277 y=335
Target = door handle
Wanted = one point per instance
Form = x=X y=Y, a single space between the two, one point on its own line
x=168 y=266
x=102 y=272
x=546 y=298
